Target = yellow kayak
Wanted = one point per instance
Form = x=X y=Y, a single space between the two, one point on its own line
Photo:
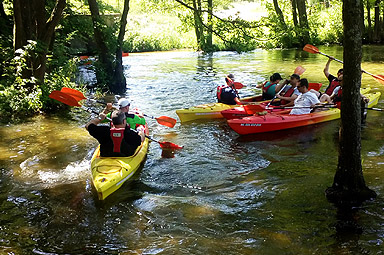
x=209 y=111
x=109 y=173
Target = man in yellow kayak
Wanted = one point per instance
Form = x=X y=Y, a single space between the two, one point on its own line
x=133 y=120
x=118 y=141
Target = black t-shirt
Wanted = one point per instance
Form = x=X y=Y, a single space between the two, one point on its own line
x=228 y=96
x=128 y=145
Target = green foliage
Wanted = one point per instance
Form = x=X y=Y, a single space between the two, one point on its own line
x=18 y=99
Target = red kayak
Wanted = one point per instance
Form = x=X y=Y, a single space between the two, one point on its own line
x=249 y=110
x=283 y=120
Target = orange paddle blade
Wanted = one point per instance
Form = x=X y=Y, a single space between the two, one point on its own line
x=169 y=145
x=311 y=49
x=299 y=70
x=238 y=85
x=73 y=93
x=64 y=98
x=166 y=121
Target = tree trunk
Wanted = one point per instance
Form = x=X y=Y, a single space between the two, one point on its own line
x=119 y=82
x=199 y=31
x=294 y=13
x=369 y=32
x=376 y=31
x=303 y=21
x=210 y=25
x=30 y=24
x=279 y=14
x=349 y=185
x=105 y=73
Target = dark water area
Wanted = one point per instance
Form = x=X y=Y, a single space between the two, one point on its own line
x=221 y=194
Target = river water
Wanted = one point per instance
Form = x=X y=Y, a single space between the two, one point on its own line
x=221 y=194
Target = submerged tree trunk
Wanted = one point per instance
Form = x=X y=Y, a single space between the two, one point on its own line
x=119 y=82
x=349 y=185
x=31 y=24
x=303 y=21
x=104 y=72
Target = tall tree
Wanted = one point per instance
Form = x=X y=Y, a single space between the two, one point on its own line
x=31 y=24
x=349 y=185
x=377 y=25
x=279 y=14
x=294 y=12
x=110 y=68
x=303 y=22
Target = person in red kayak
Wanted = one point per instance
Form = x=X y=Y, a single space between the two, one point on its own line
x=334 y=82
x=305 y=102
x=290 y=92
x=118 y=141
x=270 y=87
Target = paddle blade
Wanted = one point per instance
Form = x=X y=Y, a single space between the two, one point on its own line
x=299 y=70
x=310 y=48
x=238 y=85
x=169 y=145
x=379 y=78
x=253 y=108
x=64 y=98
x=73 y=93
x=166 y=121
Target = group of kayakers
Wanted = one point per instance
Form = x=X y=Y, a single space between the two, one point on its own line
x=126 y=130
x=291 y=92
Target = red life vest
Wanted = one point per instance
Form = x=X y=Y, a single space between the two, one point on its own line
x=337 y=98
x=117 y=135
x=265 y=89
x=332 y=87
x=287 y=94
x=219 y=90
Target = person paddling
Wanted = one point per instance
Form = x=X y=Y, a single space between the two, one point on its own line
x=290 y=92
x=133 y=120
x=227 y=94
x=306 y=101
x=270 y=87
x=118 y=141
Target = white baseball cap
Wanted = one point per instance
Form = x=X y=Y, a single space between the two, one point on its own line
x=123 y=102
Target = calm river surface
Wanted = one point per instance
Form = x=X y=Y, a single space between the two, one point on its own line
x=221 y=194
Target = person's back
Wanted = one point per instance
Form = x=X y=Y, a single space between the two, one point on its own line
x=225 y=93
x=112 y=142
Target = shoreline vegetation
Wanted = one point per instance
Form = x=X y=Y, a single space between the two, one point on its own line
x=151 y=26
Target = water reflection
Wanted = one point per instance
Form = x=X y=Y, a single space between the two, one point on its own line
x=220 y=194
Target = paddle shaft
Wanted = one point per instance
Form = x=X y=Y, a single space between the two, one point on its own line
x=374 y=76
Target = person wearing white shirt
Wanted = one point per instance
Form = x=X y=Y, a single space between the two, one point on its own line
x=306 y=101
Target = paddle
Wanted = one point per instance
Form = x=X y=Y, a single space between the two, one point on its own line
x=324 y=106
x=162 y=120
x=312 y=49
x=299 y=71
x=69 y=100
